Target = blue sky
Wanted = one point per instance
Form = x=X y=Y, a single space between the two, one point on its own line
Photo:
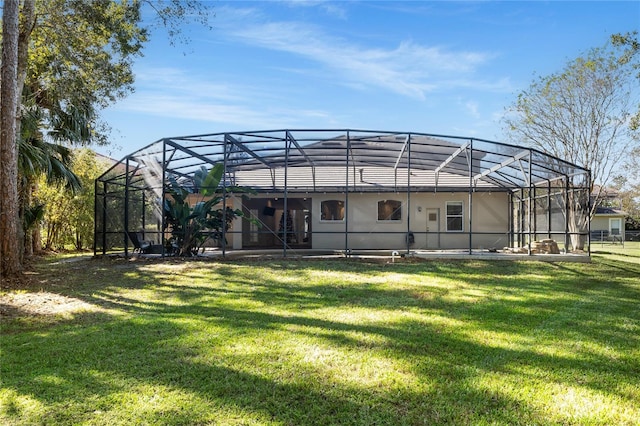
x=442 y=67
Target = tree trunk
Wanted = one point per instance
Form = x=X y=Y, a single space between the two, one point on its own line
x=10 y=264
x=579 y=217
x=37 y=239
x=27 y=20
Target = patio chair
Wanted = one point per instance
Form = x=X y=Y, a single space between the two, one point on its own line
x=139 y=243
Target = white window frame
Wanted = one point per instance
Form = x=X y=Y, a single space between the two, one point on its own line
x=461 y=216
x=611 y=221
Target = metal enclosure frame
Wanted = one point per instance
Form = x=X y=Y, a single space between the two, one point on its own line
x=547 y=196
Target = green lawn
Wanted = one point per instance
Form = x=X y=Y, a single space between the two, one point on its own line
x=629 y=252
x=291 y=342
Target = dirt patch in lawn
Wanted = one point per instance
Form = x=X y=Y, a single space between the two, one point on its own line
x=15 y=305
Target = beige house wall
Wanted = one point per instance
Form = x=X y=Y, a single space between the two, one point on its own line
x=601 y=223
x=366 y=232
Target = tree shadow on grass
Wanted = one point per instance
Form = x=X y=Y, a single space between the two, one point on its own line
x=147 y=349
x=100 y=360
x=92 y=368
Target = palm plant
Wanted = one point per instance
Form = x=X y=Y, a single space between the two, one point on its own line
x=37 y=157
x=193 y=212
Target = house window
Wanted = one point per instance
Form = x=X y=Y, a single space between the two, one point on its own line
x=389 y=210
x=614 y=226
x=454 y=216
x=332 y=210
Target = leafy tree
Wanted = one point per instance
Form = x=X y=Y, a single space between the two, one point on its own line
x=628 y=181
x=87 y=167
x=81 y=57
x=56 y=215
x=580 y=114
x=72 y=57
x=53 y=164
x=630 y=55
x=80 y=62
x=628 y=186
x=68 y=215
x=193 y=211
x=38 y=158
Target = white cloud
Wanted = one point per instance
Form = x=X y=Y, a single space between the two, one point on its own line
x=472 y=108
x=408 y=69
x=330 y=7
x=172 y=93
x=175 y=80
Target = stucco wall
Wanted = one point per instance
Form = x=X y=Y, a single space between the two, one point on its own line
x=601 y=223
x=490 y=215
x=366 y=232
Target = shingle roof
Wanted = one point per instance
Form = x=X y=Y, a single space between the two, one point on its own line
x=610 y=211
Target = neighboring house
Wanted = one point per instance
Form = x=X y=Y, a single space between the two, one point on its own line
x=608 y=223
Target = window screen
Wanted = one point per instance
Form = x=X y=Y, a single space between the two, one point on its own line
x=332 y=210
x=389 y=210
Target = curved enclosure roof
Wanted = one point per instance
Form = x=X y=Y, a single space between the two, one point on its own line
x=362 y=160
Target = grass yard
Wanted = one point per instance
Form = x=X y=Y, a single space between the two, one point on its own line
x=291 y=342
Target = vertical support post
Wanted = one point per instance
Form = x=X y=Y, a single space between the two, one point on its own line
x=224 y=197
x=408 y=193
x=144 y=222
x=510 y=212
x=470 y=169
x=285 y=213
x=531 y=200
x=346 y=198
x=395 y=178
x=521 y=219
x=104 y=218
x=164 y=196
x=566 y=213
x=549 y=209
x=126 y=208
x=588 y=189
x=534 y=216
x=95 y=214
